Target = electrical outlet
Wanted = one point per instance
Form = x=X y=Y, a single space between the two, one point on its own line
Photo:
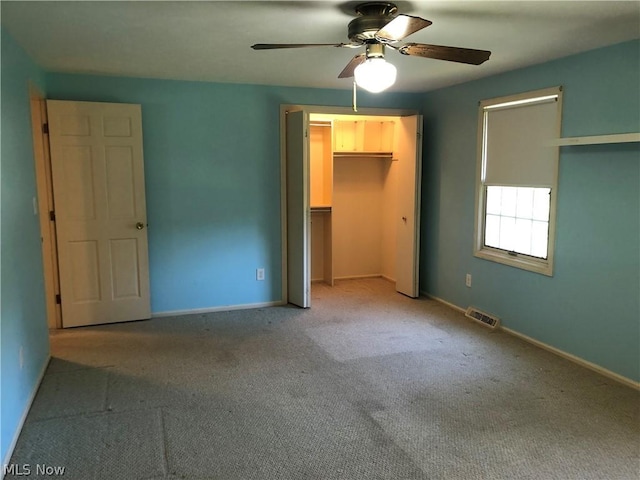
x=260 y=274
x=21 y=357
x=467 y=280
x=35 y=206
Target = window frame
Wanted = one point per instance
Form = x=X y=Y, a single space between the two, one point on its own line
x=480 y=250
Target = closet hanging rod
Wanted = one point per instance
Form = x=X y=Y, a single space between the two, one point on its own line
x=383 y=155
x=323 y=209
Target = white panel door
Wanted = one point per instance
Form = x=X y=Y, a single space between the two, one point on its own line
x=408 y=221
x=98 y=187
x=298 y=210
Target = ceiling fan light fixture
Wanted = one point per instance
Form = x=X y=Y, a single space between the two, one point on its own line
x=375 y=74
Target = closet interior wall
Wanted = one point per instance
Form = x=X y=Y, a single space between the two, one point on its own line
x=353 y=202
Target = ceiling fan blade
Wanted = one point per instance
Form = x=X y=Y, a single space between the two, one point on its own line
x=272 y=46
x=451 y=54
x=400 y=27
x=351 y=66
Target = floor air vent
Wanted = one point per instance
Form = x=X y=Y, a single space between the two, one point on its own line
x=483 y=318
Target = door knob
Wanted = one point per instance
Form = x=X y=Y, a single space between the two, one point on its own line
x=139 y=225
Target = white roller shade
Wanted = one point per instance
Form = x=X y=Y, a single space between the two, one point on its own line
x=517 y=144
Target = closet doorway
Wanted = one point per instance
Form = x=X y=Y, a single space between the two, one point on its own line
x=351 y=197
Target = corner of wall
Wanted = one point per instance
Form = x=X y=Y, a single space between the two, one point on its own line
x=24 y=341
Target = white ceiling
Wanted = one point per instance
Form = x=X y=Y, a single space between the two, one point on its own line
x=209 y=41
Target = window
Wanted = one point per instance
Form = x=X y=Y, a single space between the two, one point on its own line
x=517 y=220
x=517 y=179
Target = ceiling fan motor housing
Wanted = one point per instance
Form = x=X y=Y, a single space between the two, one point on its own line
x=372 y=16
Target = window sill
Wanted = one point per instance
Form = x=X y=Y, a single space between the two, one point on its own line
x=544 y=267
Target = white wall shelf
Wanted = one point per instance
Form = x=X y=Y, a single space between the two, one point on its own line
x=598 y=139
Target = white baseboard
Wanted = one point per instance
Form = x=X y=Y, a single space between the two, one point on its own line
x=224 y=308
x=356 y=277
x=441 y=300
x=580 y=361
x=23 y=418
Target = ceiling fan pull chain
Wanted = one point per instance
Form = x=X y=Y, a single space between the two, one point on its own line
x=355 y=107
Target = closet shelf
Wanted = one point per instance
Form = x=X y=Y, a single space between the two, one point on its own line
x=384 y=155
x=597 y=139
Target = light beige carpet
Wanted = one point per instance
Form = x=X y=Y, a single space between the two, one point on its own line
x=367 y=384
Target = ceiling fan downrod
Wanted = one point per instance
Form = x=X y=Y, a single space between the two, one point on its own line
x=386 y=9
x=374 y=50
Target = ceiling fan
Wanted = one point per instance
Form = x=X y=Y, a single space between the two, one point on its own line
x=378 y=25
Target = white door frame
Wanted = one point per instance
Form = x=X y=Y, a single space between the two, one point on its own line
x=44 y=189
x=314 y=109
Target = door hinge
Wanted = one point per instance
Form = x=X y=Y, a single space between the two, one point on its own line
x=45 y=128
x=52 y=216
x=58 y=299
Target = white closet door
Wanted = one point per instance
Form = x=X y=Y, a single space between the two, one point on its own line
x=298 y=210
x=408 y=221
x=98 y=186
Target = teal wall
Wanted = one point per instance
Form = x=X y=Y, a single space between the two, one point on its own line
x=212 y=172
x=590 y=307
x=22 y=306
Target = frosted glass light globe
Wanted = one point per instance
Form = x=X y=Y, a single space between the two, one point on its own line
x=375 y=74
